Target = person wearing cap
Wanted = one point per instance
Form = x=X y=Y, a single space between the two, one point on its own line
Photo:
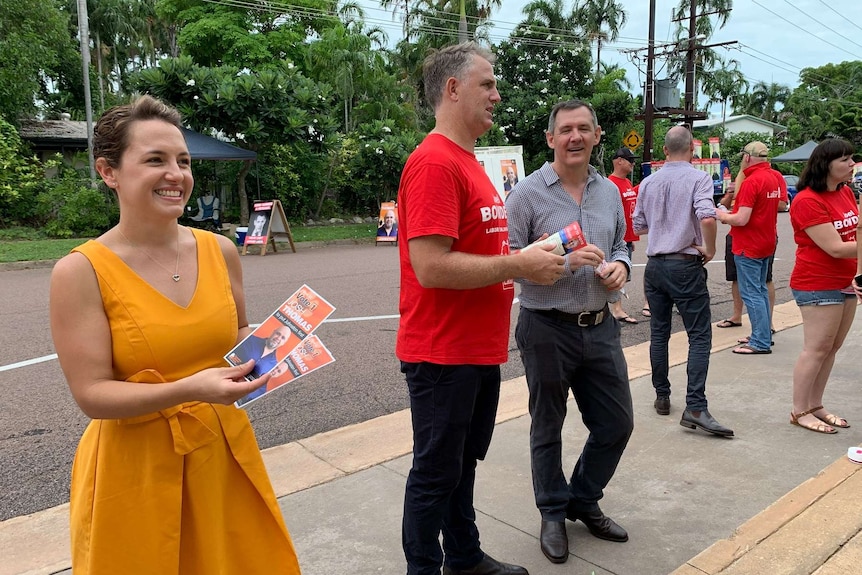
x=566 y=335
x=675 y=207
x=727 y=200
x=754 y=230
x=624 y=163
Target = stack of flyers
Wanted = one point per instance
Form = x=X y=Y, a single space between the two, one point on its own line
x=282 y=345
x=306 y=357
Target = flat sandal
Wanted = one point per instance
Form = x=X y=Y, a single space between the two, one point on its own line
x=819 y=427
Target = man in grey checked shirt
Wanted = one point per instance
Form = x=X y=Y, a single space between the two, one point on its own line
x=567 y=337
x=675 y=207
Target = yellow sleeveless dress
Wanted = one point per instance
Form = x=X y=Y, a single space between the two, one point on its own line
x=182 y=491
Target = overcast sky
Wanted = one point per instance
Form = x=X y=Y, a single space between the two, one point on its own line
x=776 y=38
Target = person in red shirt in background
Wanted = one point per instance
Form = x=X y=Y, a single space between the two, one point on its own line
x=624 y=163
x=754 y=221
x=825 y=218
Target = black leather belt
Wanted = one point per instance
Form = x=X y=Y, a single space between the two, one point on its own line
x=583 y=319
x=687 y=257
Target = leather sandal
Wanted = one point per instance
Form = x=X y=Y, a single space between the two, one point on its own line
x=819 y=427
x=831 y=418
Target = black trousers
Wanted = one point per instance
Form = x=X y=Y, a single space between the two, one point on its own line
x=559 y=356
x=453 y=408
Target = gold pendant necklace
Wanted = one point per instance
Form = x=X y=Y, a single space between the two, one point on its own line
x=176 y=274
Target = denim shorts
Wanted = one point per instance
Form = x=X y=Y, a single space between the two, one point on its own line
x=820 y=297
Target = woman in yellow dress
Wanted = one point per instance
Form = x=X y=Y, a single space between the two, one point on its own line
x=168 y=477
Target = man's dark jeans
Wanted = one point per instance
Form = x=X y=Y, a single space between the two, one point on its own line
x=558 y=356
x=681 y=282
x=453 y=409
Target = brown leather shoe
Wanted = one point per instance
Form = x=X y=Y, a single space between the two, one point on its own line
x=487 y=566
x=554 y=541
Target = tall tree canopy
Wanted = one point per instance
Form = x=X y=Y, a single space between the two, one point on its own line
x=34 y=45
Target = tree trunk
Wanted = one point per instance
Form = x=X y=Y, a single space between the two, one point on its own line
x=243 y=196
x=99 y=68
x=598 y=54
x=462 y=23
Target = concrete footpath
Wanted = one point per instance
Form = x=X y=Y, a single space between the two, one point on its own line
x=775 y=499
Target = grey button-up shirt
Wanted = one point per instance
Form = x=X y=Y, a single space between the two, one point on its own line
x=539 y=204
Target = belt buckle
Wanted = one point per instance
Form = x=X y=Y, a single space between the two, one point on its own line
x=584 y=315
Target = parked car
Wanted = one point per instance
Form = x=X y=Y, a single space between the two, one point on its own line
x=857 y=184
x=791 y=181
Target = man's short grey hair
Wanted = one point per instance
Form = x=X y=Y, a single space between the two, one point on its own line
x=449 y=62
x=570 y=105
x=678 y=140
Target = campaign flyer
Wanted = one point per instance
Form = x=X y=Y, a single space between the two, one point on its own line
x=306 y=357
x=282 y=331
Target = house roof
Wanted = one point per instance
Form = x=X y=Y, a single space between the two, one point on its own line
x=731 y=119
x=54 y=134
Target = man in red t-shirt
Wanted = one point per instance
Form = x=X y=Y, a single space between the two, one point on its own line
x=455 y=304
x=624 y=163
x=754 y=230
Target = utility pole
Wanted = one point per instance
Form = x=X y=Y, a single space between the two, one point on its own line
x=687 y=113
x=649 y=95
x=688 y=105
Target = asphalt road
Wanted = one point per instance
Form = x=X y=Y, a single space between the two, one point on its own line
x=40 y=424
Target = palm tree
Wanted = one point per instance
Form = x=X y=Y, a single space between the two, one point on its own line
x=765 y=97
x=723 y=84
x=602 y=19
x=550 y=14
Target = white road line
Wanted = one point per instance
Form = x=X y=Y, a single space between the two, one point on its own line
x=53 y=356
x=27 y=362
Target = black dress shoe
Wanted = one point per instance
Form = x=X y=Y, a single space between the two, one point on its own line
x=599 y=524
x=703 y=420
x=554 y=541
x=662 y=405
x=488 y=566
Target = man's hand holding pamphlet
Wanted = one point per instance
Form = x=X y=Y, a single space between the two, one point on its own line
x=283 y=345
x=567 y=240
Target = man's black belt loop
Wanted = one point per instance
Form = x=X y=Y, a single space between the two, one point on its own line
x=583 y=319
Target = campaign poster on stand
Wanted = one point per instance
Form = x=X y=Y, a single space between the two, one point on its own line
x=387 y=223
x=503 y=164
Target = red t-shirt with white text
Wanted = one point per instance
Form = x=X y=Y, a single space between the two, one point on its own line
x=760 y=191
x=814 y=269
x=445 y=191
x=629 y=196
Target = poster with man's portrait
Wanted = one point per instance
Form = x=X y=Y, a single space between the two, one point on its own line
x=509 y=168
x=387 y=223
x=258 y=224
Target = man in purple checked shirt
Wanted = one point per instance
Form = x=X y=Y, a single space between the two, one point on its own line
x=675 y=208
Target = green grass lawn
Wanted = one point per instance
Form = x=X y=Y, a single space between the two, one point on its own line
x=22 y=245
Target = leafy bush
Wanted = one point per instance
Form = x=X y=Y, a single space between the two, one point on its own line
x=21 y=177
x=71 y=208
x=374 y=160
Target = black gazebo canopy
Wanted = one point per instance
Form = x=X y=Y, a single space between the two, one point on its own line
x=203 y=147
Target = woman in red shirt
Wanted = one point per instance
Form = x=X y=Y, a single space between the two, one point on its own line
x=824 y=217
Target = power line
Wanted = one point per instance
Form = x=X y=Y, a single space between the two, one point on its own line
x=843 y=17
x=821 y=23
x=804 y=30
